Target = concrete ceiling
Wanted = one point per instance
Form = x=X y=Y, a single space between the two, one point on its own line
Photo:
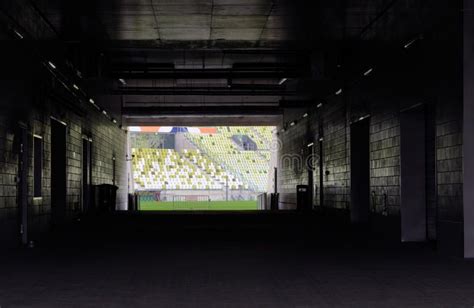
x=192 y=56
x=205 y=86
x=261 y=22
x=175 y=20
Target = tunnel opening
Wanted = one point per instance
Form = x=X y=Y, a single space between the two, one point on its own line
x=212 y=168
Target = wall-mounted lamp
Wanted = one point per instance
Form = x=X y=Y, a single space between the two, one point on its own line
x=411 y=42
x=18 y=34
x=364 y=117
x=282 y=81
x=367 y=72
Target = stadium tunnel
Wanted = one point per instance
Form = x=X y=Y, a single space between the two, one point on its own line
x=372 y=104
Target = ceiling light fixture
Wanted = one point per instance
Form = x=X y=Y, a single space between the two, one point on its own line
x=282 y=81
x=91 y=101
x=20 y=36
x=75 y=86
x=293 y=123
x=311 y=144
x=319 y=105
x=51 y=64
x=407 y=45
x=338 y=91
x=305 y=115
x=367 y=72
x=122 y=81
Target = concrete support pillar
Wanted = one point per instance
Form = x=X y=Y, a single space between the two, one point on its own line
x=468 y=129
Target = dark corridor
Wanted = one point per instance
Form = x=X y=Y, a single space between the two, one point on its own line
x=231 y=260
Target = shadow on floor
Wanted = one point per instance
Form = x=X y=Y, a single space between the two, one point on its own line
x=231 y=260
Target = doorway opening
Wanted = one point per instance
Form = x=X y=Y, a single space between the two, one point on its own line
x=360 y=171
x=86 y=173
x=413 y=174
x=23 y=181
x=58 y=171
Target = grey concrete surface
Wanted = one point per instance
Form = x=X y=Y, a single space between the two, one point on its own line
x=229 y=261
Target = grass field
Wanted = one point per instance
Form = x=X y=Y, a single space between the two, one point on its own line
x=198 y=206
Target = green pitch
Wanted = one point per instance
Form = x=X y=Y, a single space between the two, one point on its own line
x=198 y=206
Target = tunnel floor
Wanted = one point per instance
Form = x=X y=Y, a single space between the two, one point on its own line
x=240 y=260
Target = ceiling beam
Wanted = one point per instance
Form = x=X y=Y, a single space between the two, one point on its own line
x=209 y=73
x=201 y=110
x=219 y=120
x=207 y=44
x=211 y=91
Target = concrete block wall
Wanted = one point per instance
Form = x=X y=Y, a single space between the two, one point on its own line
x=8 y=187
x=384 y=156
x=336 y=141
x=385 y=159
x=336 y=154
x=401 y=78
x=444 y=156
x=45 y=99
x=108 y=141
x=316 y=170
x=292 y=155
